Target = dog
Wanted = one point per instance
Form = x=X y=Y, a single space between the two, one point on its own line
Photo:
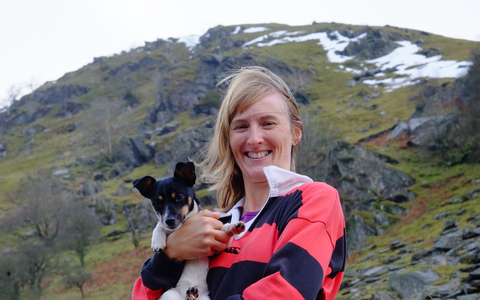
x=173 y=199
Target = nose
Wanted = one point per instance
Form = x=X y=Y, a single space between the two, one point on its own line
x=255 y=136
x=170 y=221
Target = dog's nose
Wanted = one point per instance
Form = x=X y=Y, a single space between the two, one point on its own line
x=170 y=221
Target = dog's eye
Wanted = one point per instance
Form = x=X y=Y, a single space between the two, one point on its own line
x=179 y=197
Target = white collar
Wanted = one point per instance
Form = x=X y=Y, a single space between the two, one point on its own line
x=280 y=182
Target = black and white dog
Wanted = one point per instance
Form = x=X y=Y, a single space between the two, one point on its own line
x=173 y=199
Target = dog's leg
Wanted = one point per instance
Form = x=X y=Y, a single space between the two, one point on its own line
x=192 y=293
x=235 y=228
x=171 y=294
x=158 y=238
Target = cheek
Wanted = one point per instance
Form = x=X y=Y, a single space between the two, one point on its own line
x=234 y=144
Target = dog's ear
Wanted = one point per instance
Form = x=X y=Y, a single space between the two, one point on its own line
x=145 y=186
x=186 y=173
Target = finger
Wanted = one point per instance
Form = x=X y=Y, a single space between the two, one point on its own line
x=211 y=214
x=218 y=246
x=221 y=236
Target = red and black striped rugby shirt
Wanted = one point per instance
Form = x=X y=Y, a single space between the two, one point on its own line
x=295 y=248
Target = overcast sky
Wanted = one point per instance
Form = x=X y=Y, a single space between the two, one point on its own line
x=43 y=39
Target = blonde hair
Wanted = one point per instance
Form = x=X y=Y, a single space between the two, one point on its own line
x=245 y=87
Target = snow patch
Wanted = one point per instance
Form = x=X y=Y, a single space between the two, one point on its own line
x=295 y=33
x=190 y=41
x=352 y=70
x=278 y=33
x=407 y=62
x=255 y=29
x=237 y=30
x=257 y=40
x=332 y=46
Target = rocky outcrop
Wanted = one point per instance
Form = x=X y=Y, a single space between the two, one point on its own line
x=145 y=64
x=140 y=216
x=3 y=148
x=186 y=146
x=70 y=108
x=28 y=116
x=376 y=44
x=220 y=33
x=134 y=151
x=55 y=94
x=424 y=131
x=370 y=190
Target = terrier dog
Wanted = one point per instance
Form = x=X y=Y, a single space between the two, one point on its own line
x=173 y=199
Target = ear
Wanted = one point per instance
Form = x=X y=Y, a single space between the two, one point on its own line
x=297 y=133
x=186 y=173
x=145 y=186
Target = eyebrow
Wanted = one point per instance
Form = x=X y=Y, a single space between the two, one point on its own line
x=267 y=116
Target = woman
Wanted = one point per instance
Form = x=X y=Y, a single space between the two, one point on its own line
x=294 y=245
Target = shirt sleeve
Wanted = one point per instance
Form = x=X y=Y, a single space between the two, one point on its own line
x=159 y=273
x=309 y=257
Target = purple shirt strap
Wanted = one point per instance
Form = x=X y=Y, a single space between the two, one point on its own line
x=248 y=215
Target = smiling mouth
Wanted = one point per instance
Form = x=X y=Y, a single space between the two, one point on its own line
x=258 y=154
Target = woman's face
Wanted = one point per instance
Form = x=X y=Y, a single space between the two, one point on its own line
x=262 y=136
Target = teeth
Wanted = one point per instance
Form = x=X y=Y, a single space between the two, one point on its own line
x=257 y=155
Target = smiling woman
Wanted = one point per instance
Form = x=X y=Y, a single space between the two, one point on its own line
x=294 y=246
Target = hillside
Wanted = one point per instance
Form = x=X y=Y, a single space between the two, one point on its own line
x=386 y=113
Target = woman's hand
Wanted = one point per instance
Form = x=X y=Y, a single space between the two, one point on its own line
x=199 y=236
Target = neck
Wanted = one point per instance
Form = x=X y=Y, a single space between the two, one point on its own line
x=256 y=194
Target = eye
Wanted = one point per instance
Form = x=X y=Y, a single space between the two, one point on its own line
x=240 y=127
x=179 y=197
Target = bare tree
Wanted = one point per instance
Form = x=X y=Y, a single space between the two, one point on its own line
x=132 y=225
x=76 y=277
x=13 y=93
x=37 y=261
x=41 y=207
x=81 y=227
x=10 y=277
x=318 y=140
x=53 y=221
x=104 y=123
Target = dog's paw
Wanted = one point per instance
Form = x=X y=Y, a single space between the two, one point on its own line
x=192 y=293
x=232 y=229
x=158 y=245
x=238 y=227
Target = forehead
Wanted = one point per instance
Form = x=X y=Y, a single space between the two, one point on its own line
x=270 y=105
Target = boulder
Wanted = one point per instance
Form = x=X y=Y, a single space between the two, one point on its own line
x=400 y=130
x=449 y=241
x=377 y=271
x=351 y=83
x=60 y=172
x=423 y=129
x=135 y=152
x=123 y=190
x=357 y=232
x=91 y=189
x=412 y=283
x=450 y=289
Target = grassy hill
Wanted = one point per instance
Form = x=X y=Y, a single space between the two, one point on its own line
x=159 y=93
